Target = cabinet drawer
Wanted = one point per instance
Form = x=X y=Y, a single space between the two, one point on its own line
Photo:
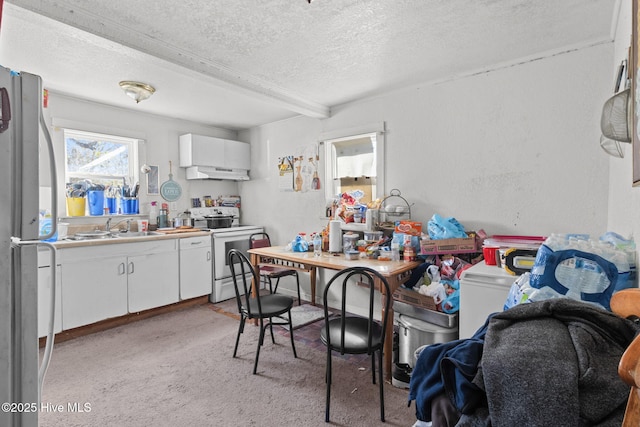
x=117 y=249
x=195 y=242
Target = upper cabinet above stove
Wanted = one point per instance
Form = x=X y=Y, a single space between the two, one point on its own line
x=207 y=157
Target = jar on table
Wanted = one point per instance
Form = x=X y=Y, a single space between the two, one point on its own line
x=349 y=242
x=409 y=254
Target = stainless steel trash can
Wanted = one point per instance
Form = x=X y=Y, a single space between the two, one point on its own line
x=415 y=333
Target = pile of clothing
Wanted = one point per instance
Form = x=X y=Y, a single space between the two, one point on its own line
x=546 y=363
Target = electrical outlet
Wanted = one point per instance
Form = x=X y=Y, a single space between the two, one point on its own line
x=173 y=206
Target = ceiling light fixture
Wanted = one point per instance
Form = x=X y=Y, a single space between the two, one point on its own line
x=136 y=90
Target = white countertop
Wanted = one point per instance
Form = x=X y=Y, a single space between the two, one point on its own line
x=67 y=243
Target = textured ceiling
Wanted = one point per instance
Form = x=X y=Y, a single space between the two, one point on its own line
x=241 y=63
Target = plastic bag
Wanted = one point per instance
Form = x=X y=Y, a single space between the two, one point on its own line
x=451 y=303
x=445 y=228
x=519 y=292
x=435 y=290
x=575 y=274
x=300 y=245
x=404 y=239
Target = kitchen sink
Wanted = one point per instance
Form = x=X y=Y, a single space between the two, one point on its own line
x=91 y=235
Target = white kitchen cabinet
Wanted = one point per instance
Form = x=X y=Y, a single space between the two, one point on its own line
x=195 y=267
x=105 y=281
x=153 y=278
x=93 y=289
x=200 y=150
x=45 y=282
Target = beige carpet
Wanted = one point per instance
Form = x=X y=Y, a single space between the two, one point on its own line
x=176 y=369
x=303 y=315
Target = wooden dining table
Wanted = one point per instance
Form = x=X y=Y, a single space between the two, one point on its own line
x=395 y=272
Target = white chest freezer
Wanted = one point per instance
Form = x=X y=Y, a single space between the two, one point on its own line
x=483 y=290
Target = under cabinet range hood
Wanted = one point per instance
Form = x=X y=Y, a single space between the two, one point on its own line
x=207 y=172
x=207 y=157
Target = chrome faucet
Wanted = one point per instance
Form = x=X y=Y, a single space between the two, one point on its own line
x=108 y=225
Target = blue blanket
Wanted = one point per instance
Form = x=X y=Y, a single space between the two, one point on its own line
x=448 y=368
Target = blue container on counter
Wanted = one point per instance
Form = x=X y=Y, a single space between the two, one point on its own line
x=45 y=228
x=96 y=202
x=112 y=205
x=129 y=205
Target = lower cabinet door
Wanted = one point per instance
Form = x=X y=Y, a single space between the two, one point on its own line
x=93 y=290
x=195 y=272
x=153 y=280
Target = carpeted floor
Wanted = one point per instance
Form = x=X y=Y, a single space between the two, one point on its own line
x=308 y=334
x=176 y=369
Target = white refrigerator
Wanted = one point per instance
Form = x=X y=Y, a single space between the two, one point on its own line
x=483 y=290
x=21 y=126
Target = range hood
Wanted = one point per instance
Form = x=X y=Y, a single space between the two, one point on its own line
x=206 y=157
x=212 y=172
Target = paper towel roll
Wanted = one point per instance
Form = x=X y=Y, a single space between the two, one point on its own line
x=335 y=236
x=368 y=215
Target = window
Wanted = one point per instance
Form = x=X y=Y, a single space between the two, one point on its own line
x=355 y=162
x=107 y=160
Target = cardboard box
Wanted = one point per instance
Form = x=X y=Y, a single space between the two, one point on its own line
x=412 y=228
x=450 y=246
x=409 y=296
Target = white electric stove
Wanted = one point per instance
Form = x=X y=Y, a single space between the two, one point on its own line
x=223 y=240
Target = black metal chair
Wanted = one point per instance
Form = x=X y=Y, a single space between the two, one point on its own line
x=268 y=272
x=272 y=306
x=348 y=334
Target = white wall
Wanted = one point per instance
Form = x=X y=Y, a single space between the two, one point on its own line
x=513 y=151
x=161 y=136
x=624 y=200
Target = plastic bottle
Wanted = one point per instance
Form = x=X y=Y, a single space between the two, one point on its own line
x=45 y=226
x=317 y=244
x=395 y=251
x=153 y=216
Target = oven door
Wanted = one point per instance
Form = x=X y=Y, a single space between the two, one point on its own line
x=223 y=242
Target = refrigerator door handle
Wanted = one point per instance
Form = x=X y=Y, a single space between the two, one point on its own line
x=54 y=179
x=6 y=110
x=48 y=348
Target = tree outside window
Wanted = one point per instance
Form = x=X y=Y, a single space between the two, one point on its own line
x=107 y=160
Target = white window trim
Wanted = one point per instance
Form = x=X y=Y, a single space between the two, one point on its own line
x=327 y=138
x=134 y=152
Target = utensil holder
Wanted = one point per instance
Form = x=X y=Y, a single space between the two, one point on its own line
x=76 y=206
x=112 y=205
x=96 y=202
x=129 y=205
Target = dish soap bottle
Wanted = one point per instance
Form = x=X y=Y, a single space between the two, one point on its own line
x=153 y=216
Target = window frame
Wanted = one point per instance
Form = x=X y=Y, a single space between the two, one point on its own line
x=133 y=148
x=329 y=138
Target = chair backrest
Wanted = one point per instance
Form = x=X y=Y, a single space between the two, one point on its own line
x=259 y=240
x=365 y=278
x=241 y=272
x=626 y=303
